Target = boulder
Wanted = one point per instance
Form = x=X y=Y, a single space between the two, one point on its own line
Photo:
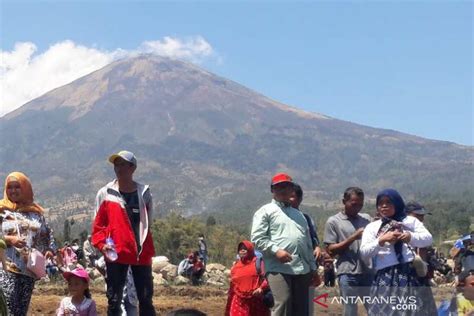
x=159 y=263
x=181 y=280
x=169 y=272
x=215 y=282
x=158 y=279
x=215 y=266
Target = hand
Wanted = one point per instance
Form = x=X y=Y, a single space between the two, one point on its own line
x=317 y=253
x=107 y=247
x=283 y=256
x=15 y=241
x=316 y=280
x=257 y=292
x=405 y=237
x=358 y=233
x=390 y=237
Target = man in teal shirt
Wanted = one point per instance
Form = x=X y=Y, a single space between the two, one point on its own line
x=281 y=233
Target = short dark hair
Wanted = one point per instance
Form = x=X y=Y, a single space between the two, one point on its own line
x=298 y=191
x=465 y=274
x=353 y=190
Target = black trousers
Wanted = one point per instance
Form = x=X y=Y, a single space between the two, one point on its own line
x=116 y=277
x=329 y=278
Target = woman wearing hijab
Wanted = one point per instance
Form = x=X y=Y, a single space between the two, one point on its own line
x=390 y=241
x=246 y=290
x=24 y=228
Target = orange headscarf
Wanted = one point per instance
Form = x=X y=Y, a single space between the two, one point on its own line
x=26 y=203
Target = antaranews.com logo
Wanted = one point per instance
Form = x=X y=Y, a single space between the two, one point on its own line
x=399 y=303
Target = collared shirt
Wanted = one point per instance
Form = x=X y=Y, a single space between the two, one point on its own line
x=338 y=228
x=276 y=226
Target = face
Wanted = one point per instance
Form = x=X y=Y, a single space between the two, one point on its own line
x=76 y=286
x=353 y=205
x=468 y=289
x=283 y=191
x=386 y=207
x=123 y=169
x=242 y=252
x=295 y=201
x=14 y=191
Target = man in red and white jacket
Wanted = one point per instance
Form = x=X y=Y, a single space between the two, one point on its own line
x=124 y=213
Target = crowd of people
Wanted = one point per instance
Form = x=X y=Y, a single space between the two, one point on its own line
x=275 y=272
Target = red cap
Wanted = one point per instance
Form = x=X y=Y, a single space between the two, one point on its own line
x=281 y=177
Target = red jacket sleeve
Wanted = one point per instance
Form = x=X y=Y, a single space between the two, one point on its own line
x=100 y=227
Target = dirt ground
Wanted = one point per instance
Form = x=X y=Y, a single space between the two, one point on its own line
x=210 y=300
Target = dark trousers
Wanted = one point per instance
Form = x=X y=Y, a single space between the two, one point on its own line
x=329 y=278
x=116 y=277
x=291 y=293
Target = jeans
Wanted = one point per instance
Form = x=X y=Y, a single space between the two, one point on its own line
x=116 y=277
x=355 y=285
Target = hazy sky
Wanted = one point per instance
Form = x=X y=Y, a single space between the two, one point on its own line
x=406 y=66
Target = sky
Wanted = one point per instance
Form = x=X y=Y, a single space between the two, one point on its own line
x=400 y=65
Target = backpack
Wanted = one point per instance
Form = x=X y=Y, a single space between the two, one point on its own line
x=267 y=298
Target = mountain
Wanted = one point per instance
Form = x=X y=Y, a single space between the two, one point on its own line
x=206 y=143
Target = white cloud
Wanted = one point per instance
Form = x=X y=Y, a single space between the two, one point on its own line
x=26 y=74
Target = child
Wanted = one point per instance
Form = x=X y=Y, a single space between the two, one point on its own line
x=465 y=299
x=80 y=302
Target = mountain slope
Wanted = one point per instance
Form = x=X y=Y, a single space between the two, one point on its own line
x=201 y=139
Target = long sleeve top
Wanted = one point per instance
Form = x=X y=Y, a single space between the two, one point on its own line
x=385 y=256
x=276 y=226
x=33 y=227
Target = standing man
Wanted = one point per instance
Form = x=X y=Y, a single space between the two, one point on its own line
x=202 y=246
x=281 y=233
x=427 y=254
x=416 y=210
x=342 y=236
x=124 y=213
x=296 y=201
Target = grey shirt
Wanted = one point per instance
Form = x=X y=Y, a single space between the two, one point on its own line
x=338 y=228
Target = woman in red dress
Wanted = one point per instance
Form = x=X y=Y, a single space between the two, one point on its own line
x=246 y=286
